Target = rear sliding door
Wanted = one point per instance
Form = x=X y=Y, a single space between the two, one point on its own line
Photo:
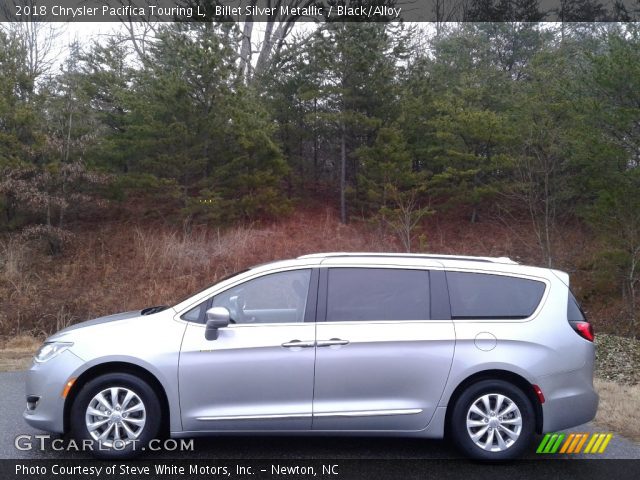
x=385 y=345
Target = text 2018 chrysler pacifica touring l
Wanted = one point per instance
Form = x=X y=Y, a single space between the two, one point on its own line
x=482 y=349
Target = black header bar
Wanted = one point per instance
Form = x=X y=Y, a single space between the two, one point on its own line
x=320 y=10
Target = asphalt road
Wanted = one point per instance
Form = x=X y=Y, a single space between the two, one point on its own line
x=12 y=425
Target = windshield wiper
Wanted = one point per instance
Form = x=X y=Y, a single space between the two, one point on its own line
x=151 y=310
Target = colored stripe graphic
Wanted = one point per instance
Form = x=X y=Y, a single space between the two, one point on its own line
x=578 y=439
x=551 y=443
x=556 y=445
x=605 y=443
x=596 y=447
x=543 y=443
x=568 y=441
x=573 y=443
x=594 y=437
x=582 y=442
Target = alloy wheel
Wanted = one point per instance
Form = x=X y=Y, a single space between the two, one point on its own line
x=115 y=417
x=494 y=422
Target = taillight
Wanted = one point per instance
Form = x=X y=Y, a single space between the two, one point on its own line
x=584 y=329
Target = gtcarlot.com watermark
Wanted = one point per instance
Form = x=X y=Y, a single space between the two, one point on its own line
x=46 y=442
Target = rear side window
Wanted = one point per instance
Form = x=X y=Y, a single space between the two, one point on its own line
x=370 y=294
x=481 y=295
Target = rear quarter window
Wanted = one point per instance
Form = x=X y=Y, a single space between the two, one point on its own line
x=481 y=295
x=574 y=312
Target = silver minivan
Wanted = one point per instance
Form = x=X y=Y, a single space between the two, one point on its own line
x=480 y=349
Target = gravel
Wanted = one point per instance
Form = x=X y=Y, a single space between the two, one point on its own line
x=618 y=359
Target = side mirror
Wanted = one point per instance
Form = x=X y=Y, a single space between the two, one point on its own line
x=217 y=317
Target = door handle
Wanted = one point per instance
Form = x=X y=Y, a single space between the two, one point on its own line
x=332 y=342
x=298 y=343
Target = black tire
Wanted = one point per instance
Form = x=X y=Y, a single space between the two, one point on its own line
x=153 y=414
x=458 y=422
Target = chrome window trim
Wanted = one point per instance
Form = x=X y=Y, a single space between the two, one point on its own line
x=253 y=325
x=213 y=292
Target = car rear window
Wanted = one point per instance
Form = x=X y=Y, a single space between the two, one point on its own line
x=370 y=294
x=574 y=312
x=481 y=295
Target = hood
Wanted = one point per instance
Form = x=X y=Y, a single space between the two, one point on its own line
x=96 y=321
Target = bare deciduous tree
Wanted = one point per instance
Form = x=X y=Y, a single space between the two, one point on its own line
x=445 y=11
x=39 y=37
x=405 y=214
x=276 y=29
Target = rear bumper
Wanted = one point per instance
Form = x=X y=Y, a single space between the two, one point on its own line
x=570 y=400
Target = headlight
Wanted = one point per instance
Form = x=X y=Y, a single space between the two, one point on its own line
x=49 y=350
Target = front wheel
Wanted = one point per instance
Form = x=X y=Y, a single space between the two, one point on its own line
x=493 y=420
x=117 y=414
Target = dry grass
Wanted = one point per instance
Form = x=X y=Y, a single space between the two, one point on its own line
x=118 y=267
x=17 y=352
x=618 y=410
x=15 y=279
x=114 y=266
x=21 y=343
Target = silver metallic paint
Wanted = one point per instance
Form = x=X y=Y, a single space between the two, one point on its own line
x=412 y=366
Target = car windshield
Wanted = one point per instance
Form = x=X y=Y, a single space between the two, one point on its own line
x=211 y=285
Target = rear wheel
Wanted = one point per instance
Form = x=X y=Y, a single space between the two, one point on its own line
x=493 y=420
x=117 y=413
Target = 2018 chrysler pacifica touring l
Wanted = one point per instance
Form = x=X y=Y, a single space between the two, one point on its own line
x=482 y=349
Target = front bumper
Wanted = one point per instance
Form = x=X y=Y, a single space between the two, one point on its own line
x=47 y=381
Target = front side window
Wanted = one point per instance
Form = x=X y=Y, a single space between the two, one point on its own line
x=481 y=295
x=370 y=294
x=274 y=298
x=195 y=314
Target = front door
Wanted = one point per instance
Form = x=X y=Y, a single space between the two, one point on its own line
x=384 y=352
x=258 y=373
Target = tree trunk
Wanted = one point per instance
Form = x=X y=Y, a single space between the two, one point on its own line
x=64 y=195
x=343 y=174
x=245 y=50
x=265 y=49
x=474 y=214
x=632 y=295
x=315 y=140
x=9 y=207
x=407 y=227
x=547 y=220
x=66 y=153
